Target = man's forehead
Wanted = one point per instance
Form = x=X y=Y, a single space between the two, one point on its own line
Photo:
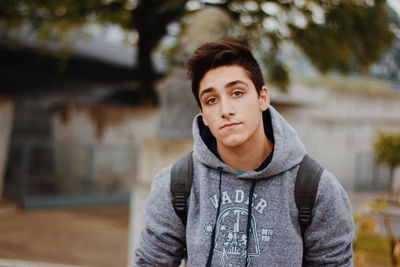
x=227 y=72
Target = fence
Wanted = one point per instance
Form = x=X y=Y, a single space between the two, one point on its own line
x=46 y=174
x=369 y=175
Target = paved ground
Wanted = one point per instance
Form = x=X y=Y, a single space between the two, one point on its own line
x=361 y=200
x=96 y=236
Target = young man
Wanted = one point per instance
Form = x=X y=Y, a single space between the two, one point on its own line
x=242 y=209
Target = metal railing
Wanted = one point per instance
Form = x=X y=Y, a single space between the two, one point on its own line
x=370 y=176
x=50 y=174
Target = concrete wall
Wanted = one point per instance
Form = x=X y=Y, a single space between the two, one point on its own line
x=337 y=123
x=6 y=121
x=154 y=155
x=100 y=142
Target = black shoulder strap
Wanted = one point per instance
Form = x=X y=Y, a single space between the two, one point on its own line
x=306 y=189
x=181 y=183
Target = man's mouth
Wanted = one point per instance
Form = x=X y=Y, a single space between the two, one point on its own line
x=229 y=125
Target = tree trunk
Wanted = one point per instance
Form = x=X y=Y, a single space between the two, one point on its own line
x=146 y=73
x=391 y=185
x=392 y=241
x=151 y=18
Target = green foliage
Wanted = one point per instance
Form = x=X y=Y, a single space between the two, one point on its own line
x=378 y=204
x=387 y=150
x=278 y=75
x=371 y=248
x=63 y=14
x=353 y=37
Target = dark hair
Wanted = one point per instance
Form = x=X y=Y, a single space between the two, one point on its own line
x=221 y=53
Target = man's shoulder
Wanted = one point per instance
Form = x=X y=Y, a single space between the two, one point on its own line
x=328 y=179
x=330 y=189
x=162 y=178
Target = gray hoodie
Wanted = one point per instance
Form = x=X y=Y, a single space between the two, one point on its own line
x=268 y=236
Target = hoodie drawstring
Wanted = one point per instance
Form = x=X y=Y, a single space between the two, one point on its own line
x=249 y=211
x=248 y=227
x=211 y=253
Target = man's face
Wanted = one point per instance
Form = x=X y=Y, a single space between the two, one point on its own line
x=231 y=107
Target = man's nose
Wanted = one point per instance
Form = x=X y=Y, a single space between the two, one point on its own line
x=227 y=108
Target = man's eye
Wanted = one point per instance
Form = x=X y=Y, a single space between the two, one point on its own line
x=237 y=93
x=211 y=100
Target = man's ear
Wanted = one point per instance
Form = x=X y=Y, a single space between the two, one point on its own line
x=263 y=99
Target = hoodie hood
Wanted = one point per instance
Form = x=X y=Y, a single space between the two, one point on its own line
x=288 y=149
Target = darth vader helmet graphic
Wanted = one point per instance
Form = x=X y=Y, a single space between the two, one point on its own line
x=231 y=240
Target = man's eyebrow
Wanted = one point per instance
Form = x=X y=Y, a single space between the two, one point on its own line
x=233 y=83
x=205 y=91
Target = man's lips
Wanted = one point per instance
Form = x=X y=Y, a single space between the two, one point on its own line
x=228 y=125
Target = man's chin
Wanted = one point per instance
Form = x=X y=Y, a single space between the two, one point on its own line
x=232 y=144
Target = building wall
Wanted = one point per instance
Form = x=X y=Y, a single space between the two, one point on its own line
x=339 y=124
x=100 y=142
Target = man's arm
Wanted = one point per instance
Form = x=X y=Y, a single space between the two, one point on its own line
x=162 y=240
x=328 y=240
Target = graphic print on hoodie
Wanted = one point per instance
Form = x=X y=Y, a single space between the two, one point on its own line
x=231 y=235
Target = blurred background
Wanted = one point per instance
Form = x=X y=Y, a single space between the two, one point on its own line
x=94 y=101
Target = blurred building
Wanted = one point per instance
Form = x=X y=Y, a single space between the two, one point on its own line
x=339 y=119
x=74 y=132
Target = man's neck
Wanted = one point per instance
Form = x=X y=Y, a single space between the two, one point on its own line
x=248 y=156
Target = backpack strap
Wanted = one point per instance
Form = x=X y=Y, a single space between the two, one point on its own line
x=181 y=183
x=306 y=189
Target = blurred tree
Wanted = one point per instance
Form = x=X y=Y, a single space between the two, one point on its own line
x=387 y=151
x=53 y=18
x=344 y=35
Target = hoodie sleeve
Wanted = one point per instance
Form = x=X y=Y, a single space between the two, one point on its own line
x=162 y=240
x=328 y=240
